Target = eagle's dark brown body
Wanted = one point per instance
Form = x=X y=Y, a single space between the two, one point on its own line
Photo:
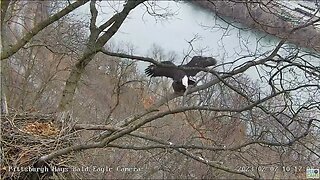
x=180 y=77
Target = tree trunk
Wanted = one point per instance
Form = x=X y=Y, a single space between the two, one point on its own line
x=71 y=85
x=92 y=48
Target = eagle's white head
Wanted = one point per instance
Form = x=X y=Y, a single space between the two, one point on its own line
x=185 y=80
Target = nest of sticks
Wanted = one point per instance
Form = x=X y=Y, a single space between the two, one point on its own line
x=28 y=136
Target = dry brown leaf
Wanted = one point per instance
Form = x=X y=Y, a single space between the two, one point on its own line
x=41 y=129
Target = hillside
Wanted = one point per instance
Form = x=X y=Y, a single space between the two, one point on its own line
x=276 y=18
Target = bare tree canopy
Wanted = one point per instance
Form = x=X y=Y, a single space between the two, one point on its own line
x=75 y=104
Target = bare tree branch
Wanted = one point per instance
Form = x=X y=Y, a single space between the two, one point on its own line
x=9 y=51
x=93 y=47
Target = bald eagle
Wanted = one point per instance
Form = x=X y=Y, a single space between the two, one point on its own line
x=181 y=77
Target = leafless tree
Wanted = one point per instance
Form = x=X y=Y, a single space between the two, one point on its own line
x=230 y=126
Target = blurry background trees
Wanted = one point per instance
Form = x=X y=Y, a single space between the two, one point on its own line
x=229 y=126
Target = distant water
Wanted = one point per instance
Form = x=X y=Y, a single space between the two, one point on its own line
x=216 y=38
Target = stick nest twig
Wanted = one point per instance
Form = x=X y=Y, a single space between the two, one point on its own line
x=28 y=136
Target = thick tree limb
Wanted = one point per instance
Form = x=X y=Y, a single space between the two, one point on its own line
x=166 y=144
x=9 y=51
x=93 y=47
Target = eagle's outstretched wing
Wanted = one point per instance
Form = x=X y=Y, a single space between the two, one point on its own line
x=154 y=70
x=199 y=61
